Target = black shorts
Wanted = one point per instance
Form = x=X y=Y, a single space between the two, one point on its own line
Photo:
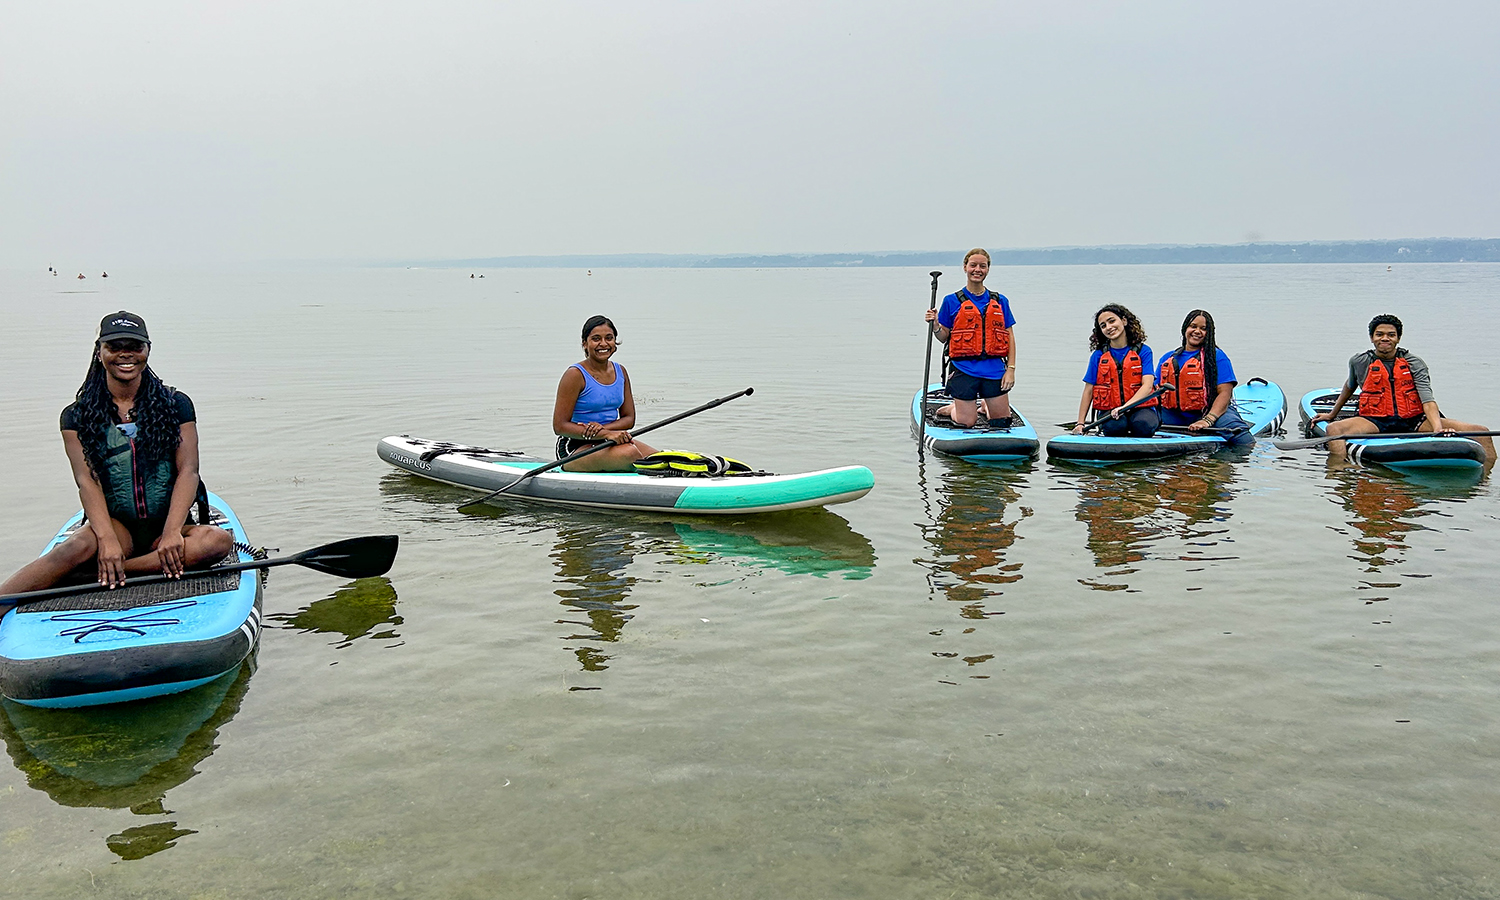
x=143 y=533
x=567 y=446
x=963 y=386
x=1392 y=424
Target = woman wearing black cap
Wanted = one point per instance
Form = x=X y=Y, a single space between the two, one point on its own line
x=133 y=444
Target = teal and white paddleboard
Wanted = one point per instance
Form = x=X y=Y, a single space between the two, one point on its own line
x=484 y=470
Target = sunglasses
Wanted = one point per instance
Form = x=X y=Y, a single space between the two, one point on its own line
x=126 y=345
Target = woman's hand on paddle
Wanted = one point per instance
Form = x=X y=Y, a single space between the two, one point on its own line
x=1199 y=424
x=111 y=559
x=619 y=437
x=1115 y=413
x=1078 y=429
x=930 y=315
x=169 y=549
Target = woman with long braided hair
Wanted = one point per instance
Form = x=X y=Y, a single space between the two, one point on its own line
x=1203 y=379
x=132 y=442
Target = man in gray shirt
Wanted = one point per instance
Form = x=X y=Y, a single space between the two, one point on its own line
x=1395 y=393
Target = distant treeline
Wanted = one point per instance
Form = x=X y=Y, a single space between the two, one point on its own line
x=1424 y=250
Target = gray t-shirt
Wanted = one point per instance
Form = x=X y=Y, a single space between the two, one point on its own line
x=1359 y=365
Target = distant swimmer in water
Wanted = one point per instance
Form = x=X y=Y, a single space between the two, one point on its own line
x=591 y=271
x=471 y=274
x=105 y=275
x=80 y=275
x=595 y=406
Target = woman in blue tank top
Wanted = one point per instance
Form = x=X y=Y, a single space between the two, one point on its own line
x=594 y=406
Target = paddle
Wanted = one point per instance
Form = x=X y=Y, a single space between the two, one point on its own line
x=926 y=368
x=1173 y=429
x=1126 y=408
x=1318 y=442
x=579 y=454
x=361 y=557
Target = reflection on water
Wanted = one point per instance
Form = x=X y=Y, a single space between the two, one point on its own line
x=601 y=556
x=801 y=542
x=353 y=612
x=1130 y=508
x=591 y=559
x=1386 y=507
x=969 y=533
x=124 y=756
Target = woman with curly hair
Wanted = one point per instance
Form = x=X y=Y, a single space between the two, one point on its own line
x=1120 y=372
x=132 y=442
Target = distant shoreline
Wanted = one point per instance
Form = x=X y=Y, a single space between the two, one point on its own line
x=1423 y=250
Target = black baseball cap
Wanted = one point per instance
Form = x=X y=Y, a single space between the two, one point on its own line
x=123 y=325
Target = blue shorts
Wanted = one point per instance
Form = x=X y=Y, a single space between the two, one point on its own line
x=962 y=386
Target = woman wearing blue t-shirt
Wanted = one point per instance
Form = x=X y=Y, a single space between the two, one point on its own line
x=1120 y=372
x=1204 y=381
x=976 y=324
x=594 y=406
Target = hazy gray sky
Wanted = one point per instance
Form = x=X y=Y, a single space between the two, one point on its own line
x=177 y=132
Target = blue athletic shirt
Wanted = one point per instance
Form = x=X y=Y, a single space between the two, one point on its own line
x=1091 y=374
x=1226 y=370
x=599 y=402
x=976 y=368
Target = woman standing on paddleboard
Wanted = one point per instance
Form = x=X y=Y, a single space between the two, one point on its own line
x=1120 y=372
x=1204 y=381
x=132 y=442
x=594 y=406
x=976 y=324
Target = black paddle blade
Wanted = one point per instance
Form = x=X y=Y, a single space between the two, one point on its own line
x=361 y=557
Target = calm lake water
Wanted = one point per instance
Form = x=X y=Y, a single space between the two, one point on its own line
x=1239 y=676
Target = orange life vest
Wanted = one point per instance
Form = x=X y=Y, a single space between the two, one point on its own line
x=1376 y=398
x=979 y=335
x=1112 y=387
x=1192 y=390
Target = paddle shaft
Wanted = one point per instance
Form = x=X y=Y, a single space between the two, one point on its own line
x=927 y=367
x=326 y=558
x=579 y=454
x=1320 y=441
x=1128 y=407
x=1173 y=429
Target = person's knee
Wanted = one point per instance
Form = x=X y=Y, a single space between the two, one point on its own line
x=79 y=548
x=212 y=543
